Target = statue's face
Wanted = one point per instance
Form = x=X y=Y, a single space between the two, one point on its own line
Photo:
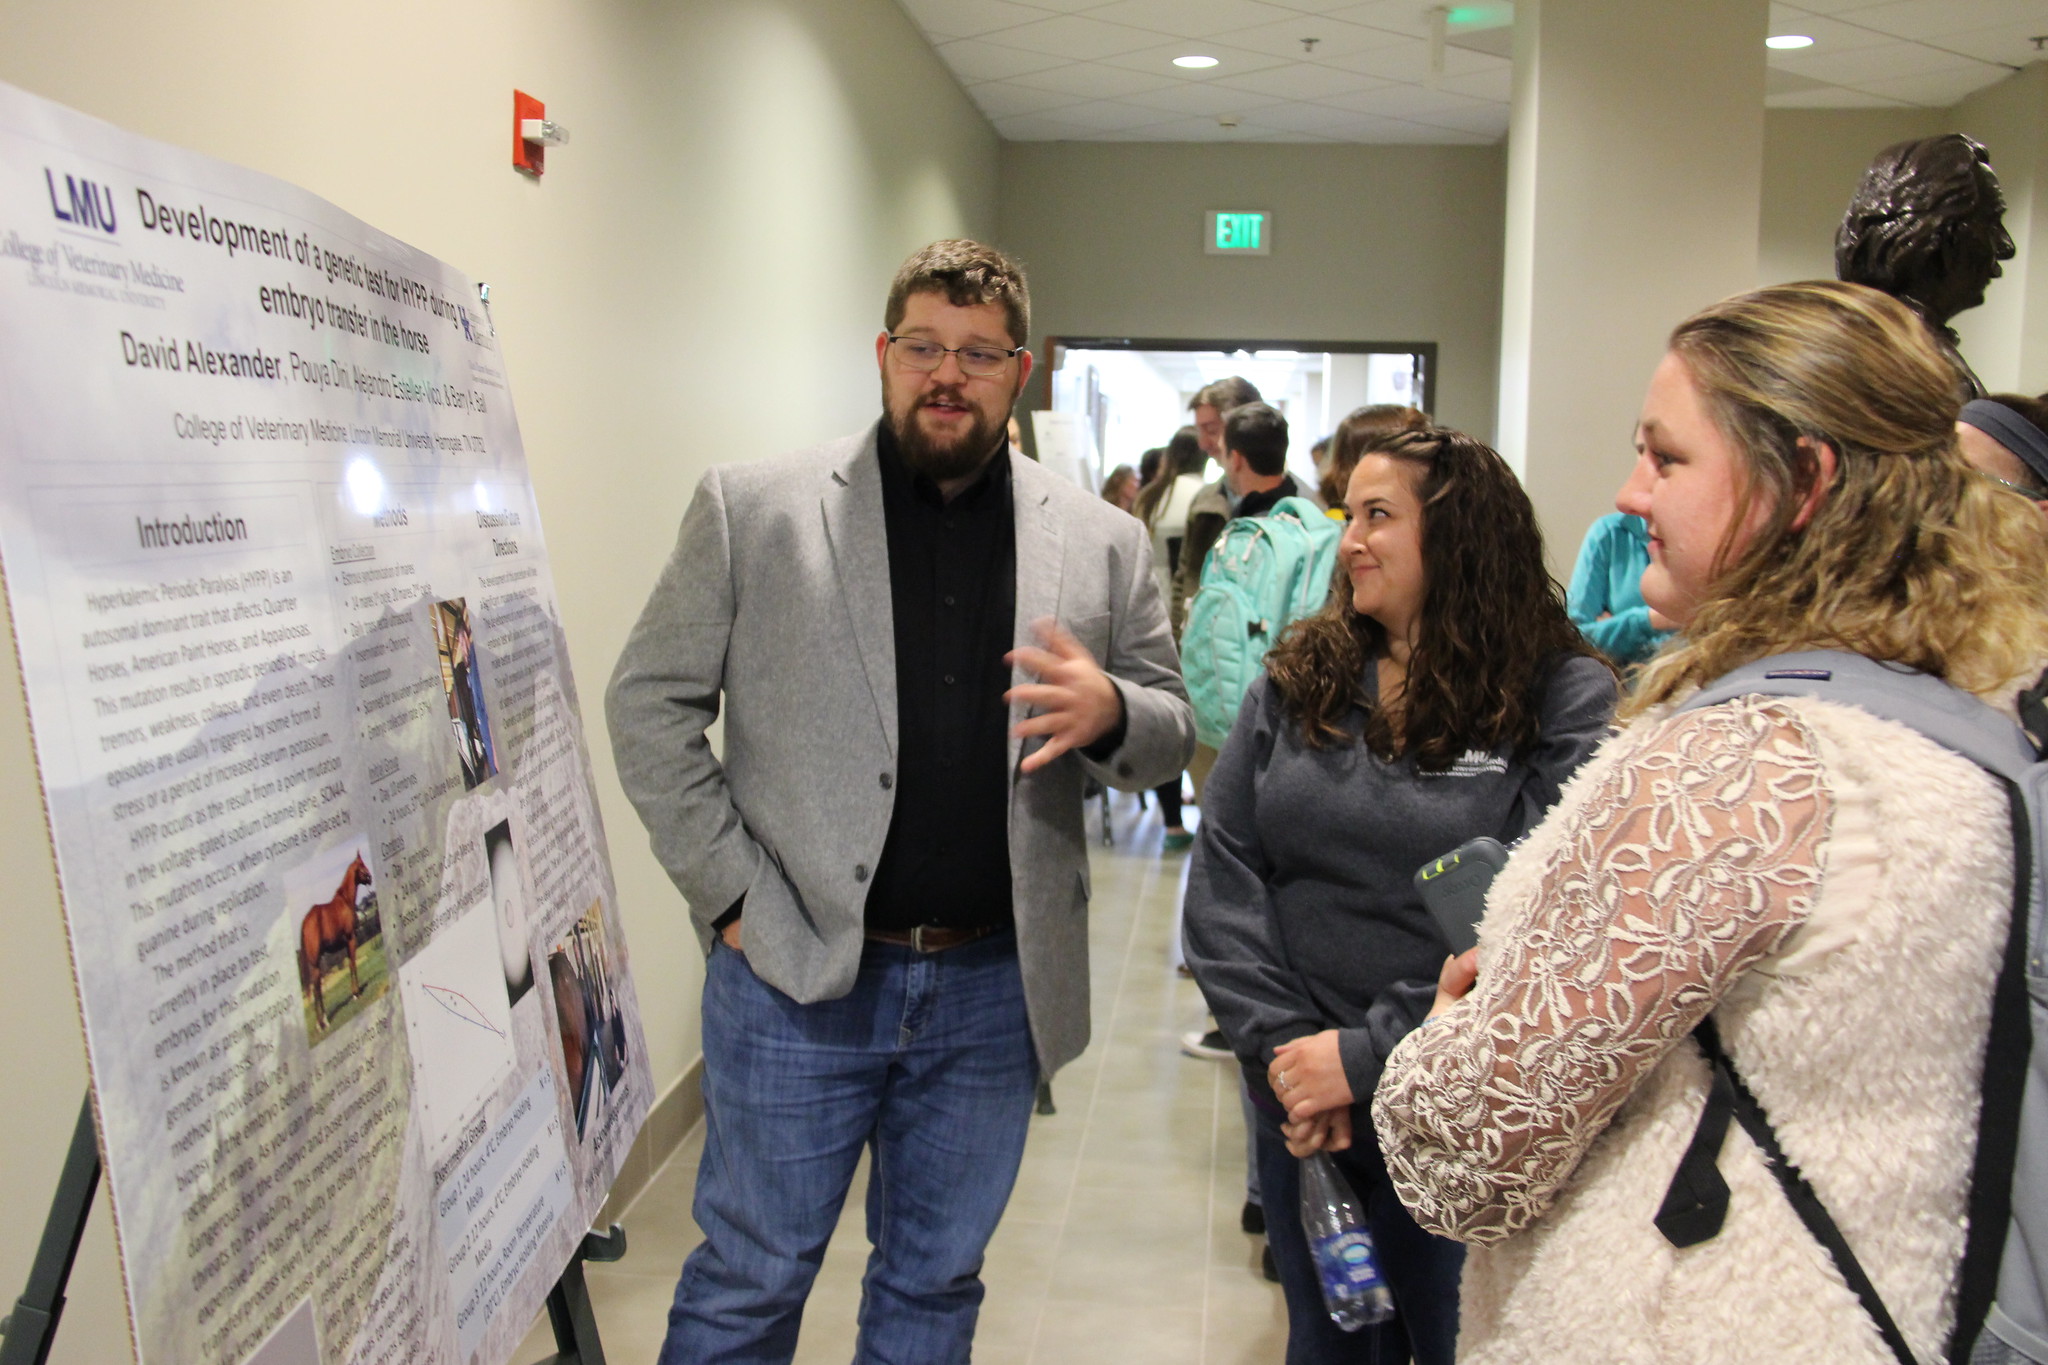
x=1971 y=254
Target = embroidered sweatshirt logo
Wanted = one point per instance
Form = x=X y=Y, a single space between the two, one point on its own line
x=1474 y=763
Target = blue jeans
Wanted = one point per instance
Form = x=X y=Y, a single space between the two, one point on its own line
x=1422 y=1270
x=928 y=1061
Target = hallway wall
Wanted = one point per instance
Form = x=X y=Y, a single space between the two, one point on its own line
x=2006 y=340
x=1378 y=243
x=697 y=279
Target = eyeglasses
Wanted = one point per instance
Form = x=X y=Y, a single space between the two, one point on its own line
x=980 y=362
x=2030 y=494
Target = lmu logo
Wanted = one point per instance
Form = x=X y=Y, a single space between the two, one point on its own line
x=89 y=205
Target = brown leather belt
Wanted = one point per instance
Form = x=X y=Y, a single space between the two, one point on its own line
x=929 y=938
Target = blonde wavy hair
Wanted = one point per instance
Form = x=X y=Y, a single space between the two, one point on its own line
x=1910 y=558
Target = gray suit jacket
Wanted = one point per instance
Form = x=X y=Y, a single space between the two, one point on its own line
x=777 y=597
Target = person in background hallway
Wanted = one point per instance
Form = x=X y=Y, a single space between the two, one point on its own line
x=886 y=861
x=1445 y=696
x=1255 y=460
x=2005 y=437
x=1362 y=430
x=1606 y=598
x=1148 y=467
x=1120 y=489
x=1831 y=889
x=1211 y=508
x=1163 y=506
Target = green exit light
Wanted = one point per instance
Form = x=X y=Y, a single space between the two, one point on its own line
x=1239 y=232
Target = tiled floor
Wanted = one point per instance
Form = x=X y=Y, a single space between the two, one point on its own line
x=1121 y=1243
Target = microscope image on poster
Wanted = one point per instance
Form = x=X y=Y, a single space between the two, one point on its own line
x=1927 y=226
x=508 y=894
x=460 y=679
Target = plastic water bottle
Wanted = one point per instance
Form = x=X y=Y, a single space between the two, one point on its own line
x=1341 y=1247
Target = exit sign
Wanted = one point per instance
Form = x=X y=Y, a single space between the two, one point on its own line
x=1238 y=232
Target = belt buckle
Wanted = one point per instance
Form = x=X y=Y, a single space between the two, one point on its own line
x=917 y=939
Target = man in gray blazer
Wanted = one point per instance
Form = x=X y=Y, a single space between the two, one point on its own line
x=920 y=644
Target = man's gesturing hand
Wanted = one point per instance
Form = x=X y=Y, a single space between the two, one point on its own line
x=1076 y=702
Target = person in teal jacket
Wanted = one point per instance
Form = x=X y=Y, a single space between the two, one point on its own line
x=1605 y=600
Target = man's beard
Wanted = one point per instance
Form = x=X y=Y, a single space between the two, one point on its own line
x=953 y=460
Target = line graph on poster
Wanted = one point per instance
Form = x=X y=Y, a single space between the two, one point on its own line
x=461 y=1006
x=458 y=1022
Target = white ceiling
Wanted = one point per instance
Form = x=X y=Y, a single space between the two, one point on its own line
x=1101 y=70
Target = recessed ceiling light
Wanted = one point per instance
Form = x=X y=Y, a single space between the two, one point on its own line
x=1194 y=63
x=1786 y=41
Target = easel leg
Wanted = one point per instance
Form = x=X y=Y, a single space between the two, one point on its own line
x=26 y=1335
x=569 y=1310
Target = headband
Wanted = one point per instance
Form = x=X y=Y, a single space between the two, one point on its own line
x=2010 y=430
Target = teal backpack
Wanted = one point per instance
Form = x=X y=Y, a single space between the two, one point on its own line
x=1262 y=573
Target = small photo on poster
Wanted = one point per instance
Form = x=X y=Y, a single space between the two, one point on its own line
x=508 y=894
x=464 y=686
x=337 y=936
x=582 y=969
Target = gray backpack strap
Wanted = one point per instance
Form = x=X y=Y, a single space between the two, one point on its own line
x=1947 y=715
x=1999 y=1176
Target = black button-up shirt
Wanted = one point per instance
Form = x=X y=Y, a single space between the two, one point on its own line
x=953 y=590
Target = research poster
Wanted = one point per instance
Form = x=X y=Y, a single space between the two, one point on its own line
x=364 y=1043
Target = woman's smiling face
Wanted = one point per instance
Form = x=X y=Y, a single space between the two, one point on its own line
x=1382 y=545
x=1687 y=484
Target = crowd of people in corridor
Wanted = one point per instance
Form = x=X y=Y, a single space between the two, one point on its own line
x=921 y=646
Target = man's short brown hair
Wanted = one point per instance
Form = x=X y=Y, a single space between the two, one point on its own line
x=1232 y=391
x=968 y=274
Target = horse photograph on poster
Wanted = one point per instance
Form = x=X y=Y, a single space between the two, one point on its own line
x=338 y=939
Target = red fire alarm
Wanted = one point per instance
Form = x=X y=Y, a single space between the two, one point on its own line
x=530 y=157
x=532 y=134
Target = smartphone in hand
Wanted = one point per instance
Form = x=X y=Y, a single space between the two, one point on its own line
x=1454 y=889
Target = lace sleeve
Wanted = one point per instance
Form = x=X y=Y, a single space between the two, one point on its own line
x=1691 y=859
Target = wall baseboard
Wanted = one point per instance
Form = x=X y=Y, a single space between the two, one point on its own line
x=668 y=1123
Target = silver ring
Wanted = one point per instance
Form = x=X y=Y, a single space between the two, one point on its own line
x=1285 y=1084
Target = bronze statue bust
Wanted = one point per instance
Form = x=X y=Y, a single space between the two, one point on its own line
x=1927 y=226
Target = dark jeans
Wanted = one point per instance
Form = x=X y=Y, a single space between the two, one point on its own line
x=1422 y=1270
x=928 y=1063
x=1169 y=802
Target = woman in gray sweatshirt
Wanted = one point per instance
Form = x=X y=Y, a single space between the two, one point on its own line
x=1441 y=695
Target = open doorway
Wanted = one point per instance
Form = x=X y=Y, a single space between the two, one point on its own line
x=1117 y=397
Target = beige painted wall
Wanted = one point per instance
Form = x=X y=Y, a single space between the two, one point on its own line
x=1369 y=244
x=1635 y=183
x=1813 y=159
x=697 y=279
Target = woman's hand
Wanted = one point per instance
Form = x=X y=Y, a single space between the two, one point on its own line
x=1455 y=980
x=1308 y=1076
x=1329 y=1131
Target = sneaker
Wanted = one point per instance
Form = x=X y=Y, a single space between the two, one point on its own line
x=1252 y=1218
x=1176 y=840
x=1267 y=1267
x=1208 y=1046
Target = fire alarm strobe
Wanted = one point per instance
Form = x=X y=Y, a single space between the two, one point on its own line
x=532 y=134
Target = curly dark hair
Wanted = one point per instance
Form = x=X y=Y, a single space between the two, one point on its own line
x=1356 y=435
x=1492 y=622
